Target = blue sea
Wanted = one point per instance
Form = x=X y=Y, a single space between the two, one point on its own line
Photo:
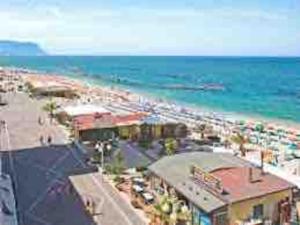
x=254 y=86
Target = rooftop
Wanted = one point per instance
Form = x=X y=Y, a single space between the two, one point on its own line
x=154 y=119
x=84 y=109
x=240 y=185
x=231 y=171
x=93 y=121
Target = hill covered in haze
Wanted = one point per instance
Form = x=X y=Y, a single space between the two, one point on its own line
x=16 y=48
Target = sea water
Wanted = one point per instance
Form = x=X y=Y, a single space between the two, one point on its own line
x=259 y=86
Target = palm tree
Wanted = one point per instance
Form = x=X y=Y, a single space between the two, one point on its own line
x=241 y=140
x=50 y=107
x=119 y=163
x=170 y=146
x=162 y=209
x=117 y=166
x=161 y=214
x=170 y=210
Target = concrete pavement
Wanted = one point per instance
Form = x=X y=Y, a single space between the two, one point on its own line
x=43 y=191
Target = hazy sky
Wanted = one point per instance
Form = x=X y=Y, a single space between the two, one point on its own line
x=156 y=27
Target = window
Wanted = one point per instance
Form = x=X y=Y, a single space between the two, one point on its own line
x=221 y=218
x=258 y=211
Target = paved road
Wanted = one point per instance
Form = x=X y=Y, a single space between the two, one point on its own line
x=41 y=173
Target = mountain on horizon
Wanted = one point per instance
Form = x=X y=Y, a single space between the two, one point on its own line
x=17 y=48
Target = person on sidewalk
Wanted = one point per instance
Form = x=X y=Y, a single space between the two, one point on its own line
x=42 y=140
x=49 y=140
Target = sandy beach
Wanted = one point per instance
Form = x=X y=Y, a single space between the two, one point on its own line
x=88 y=84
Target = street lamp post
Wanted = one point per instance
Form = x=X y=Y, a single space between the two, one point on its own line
x=100 y=149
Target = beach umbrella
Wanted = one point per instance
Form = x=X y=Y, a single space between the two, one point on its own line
x=280 y=130
x=292 y=131
x=243 y=128
x=259 y=127
x=284 y=142
x=293 y=146
x=241 y=122
x=271 y=132
x=292 y=138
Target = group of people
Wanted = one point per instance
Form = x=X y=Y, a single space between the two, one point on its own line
x=48 y=141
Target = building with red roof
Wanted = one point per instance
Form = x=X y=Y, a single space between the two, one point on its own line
x=101 y=126
x=222 y=189
x=106 y=125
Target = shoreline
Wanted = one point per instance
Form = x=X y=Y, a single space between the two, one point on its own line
x=230 y=115
x=94 y=83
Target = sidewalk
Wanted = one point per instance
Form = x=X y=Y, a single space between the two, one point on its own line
x=109 y=208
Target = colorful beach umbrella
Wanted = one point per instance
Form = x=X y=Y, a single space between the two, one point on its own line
x=241 y=122
x=280 y=130
x=259 y=127
x=293 y=146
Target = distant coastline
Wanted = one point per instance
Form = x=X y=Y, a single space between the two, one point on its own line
x=18 y=48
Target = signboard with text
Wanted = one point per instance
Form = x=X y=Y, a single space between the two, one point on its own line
x=206 y=178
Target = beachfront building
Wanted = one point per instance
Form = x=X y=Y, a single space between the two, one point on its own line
x=156 y=127
x=66 y=114
x=92 y=123
x=95 y=127
x=131 y=126
x=49 y=87
x=221 y=189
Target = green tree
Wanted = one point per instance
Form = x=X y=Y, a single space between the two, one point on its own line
x=162 y=210
x=119 y=163
x=170 y=210
x=117 y=166
x=170 y=146
x=144 y=143
x=50 y=107
x=241 y=140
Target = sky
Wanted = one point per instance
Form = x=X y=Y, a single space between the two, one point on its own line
x=155 y=27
